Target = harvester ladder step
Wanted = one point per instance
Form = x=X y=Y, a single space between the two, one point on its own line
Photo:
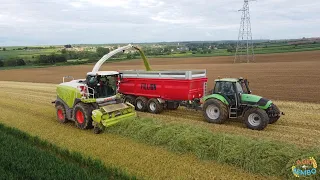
x=233 y=112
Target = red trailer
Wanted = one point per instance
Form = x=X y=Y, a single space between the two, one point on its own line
x=156 y=90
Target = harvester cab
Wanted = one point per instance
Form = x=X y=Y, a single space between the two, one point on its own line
x=232 y=98
x=94 y=101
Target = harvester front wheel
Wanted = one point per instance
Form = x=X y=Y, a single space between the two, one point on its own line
x=141 y=104
x=82 y=115
x=215 y=111
x=61 y=113
x=256 y=119
x=154 y=106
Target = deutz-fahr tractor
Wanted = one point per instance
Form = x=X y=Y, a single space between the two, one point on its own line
x=232 y=98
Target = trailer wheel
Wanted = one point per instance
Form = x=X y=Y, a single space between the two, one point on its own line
x=130 y=99
x=256 y=119
x=141 y=104
x=154 y=106
x=215 y=111
x=82 y=115
x=172 y=105
x=61 y=113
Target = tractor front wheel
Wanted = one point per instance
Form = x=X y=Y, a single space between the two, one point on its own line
x=61 y=113
x=82 y=115
x=215 y=111
x=274 y=114
x=256 y=119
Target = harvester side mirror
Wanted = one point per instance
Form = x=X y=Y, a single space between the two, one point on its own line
x=121 y=76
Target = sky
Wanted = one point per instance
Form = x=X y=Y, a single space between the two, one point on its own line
x=58 y=22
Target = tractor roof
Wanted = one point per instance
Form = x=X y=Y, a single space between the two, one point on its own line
x=103 y=73
x=228 y=79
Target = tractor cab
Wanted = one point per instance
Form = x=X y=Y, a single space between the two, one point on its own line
x=232 y=89
x=103 y=84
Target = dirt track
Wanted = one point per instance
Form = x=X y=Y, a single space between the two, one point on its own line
x=286 y=76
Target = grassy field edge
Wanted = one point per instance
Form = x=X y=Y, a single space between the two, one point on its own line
x=29 y=145
x=265 y=157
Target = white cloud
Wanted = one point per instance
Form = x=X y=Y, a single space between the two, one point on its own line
x=110 y=21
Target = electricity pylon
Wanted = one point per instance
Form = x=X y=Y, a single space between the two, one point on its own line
x=244 y=50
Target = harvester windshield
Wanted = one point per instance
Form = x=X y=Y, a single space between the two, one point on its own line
x=103 y=85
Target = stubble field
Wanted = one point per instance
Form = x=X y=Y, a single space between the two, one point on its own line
x=284 y=78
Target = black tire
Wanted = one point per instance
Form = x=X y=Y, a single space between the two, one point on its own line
x=130 y=99
x=97 y=130
x=154 y=106
x=141 y=104
x=276 y=110
x=173 y=105
x=61 y=113
x=256 y=119
x=85 y=111
x=215 y=111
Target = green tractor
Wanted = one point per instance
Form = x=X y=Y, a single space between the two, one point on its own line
x=231 y=98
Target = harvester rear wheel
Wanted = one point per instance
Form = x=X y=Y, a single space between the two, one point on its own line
x=141 y=104
x=154 y=106
x=130 y=99
x=61 y=113
x=256 y=119
x=215 y=111
x=82 y=115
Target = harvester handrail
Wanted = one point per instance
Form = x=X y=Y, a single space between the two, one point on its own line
x=121 y=49
x=87 y=93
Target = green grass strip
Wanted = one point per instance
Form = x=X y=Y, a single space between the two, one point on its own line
x=253 y=155
x=27 y=157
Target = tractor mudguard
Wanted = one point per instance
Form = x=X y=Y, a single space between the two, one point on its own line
x=216 y=96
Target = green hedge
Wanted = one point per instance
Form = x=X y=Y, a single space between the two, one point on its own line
x=253 y=155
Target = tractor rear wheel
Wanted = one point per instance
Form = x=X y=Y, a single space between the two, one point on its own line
x=256 y=119
x=215 y=111
x=154 y=106
x=141 y=104
x=82 y=115
x=130 y=99
x=61 y=113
